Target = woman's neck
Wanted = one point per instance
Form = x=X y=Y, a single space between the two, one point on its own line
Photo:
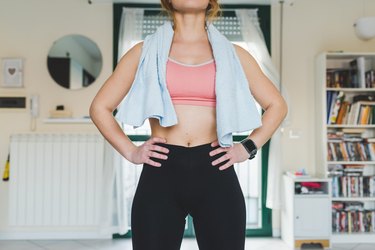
x=189 y=27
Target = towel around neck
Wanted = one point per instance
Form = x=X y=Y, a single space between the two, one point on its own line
x=148 y=96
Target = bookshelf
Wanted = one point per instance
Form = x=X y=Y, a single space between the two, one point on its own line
x=345 y=141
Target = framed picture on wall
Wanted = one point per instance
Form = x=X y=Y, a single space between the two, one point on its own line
x=12 y=73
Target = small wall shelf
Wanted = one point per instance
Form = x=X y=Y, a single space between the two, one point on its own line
x=68 y=120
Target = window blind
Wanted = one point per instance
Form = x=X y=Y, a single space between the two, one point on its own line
x=227 y=24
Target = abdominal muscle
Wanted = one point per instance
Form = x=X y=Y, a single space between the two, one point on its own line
x=196 y=126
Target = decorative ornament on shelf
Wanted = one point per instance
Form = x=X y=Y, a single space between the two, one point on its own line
x=365 y=27
x=60 y=112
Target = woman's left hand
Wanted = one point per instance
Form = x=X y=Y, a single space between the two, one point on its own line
x=234 y=154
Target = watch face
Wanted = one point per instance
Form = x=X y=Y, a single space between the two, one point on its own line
x=250 y=148
x=250 y=145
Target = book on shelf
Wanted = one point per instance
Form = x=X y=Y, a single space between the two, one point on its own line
x=353 y=130
x=338 y=78
x=350 y=149
x=348 y=181
x=370 y=78
x=358 y=111
x=337 y=100
x=352 y=217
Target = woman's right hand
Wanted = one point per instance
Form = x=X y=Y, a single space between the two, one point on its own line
x=141 y=154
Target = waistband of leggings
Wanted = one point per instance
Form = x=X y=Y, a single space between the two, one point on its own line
x=186 y=148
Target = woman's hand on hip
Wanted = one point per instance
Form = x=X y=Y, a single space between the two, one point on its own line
x=234 y=154
x=141 y=154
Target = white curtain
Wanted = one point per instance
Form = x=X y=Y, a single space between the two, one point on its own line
x=111 y=205
x=254 y=39
x=130 y=33
x=130 y=29
x=119 y=182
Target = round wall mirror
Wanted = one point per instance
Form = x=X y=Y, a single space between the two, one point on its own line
x=74 y=61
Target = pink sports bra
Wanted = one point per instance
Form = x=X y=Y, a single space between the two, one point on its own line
x=191 y=84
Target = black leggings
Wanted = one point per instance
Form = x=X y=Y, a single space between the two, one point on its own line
x=187 y=183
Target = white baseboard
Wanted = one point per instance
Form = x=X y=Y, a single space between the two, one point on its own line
x=40 y=235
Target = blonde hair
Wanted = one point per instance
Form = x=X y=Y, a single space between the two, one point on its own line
x=213 y=10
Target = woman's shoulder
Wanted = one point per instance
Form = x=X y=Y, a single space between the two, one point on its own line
x=134 y=53
x=245 y=57
x=137 y=48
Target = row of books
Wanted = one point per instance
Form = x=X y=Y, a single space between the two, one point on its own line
x=353 y=221
x=348 y=180
x=357 y=74
x=351 y=185
x=359 y=111
x=350 y=151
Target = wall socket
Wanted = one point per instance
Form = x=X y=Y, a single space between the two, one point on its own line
x=295 y=133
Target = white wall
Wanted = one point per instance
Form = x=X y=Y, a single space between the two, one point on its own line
x=311 y=27
x=28 y=29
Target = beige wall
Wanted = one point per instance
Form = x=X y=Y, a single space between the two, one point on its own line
x=311 y=27
x=28 y=29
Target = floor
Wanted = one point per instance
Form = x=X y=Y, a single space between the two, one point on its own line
x=125 y=244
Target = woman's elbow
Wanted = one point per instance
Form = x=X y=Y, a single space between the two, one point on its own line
x=94 y=109
x=283 y=108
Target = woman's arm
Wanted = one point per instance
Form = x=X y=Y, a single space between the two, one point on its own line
x=269 y=98
x=266 y=94
x=109 y=97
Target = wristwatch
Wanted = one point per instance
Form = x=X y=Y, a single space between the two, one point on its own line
x=250 y=147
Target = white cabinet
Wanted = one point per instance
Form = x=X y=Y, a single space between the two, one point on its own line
x=309 y=221
x=305 y=217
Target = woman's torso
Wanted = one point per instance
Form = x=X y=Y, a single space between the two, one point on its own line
x=196 y=123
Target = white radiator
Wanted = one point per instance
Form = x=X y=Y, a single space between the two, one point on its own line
x=55 y=179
